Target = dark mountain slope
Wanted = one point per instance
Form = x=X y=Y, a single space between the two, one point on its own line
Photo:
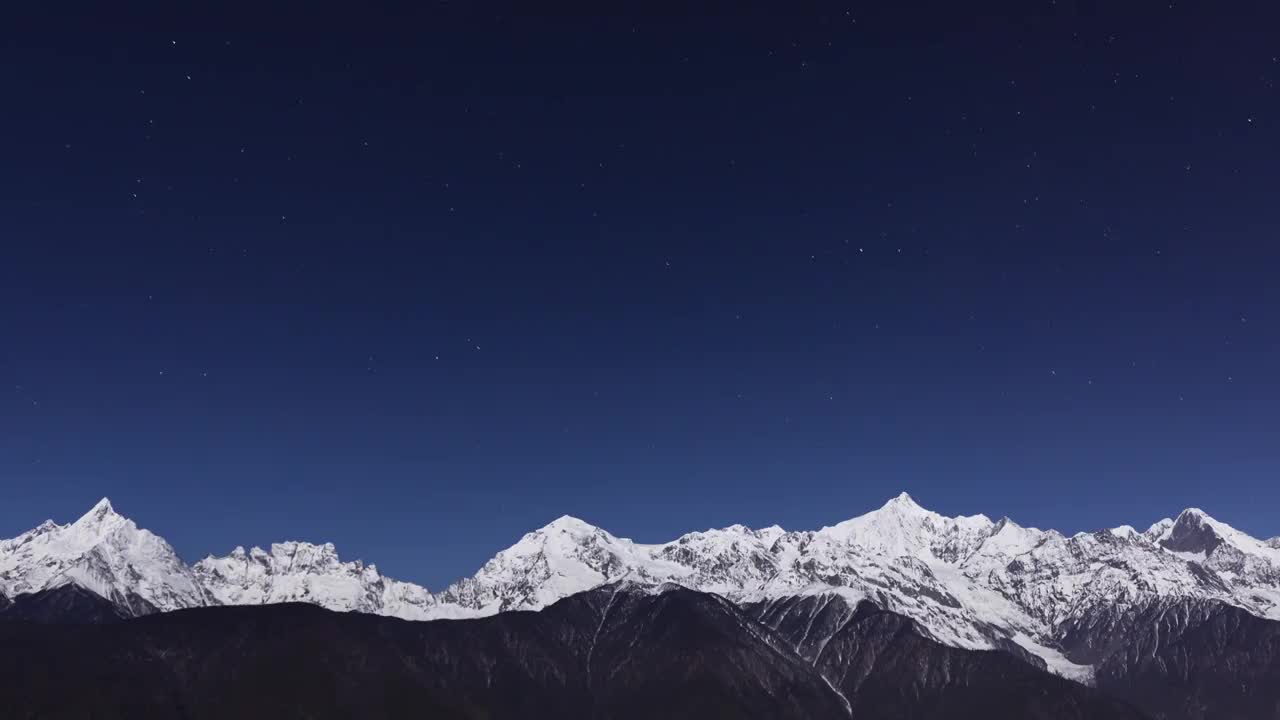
x=679 y=654
x=617 y=652
x=1186 y=659
x=892 y=671
x=695 y=640
x=887 y=668
x=64 y=604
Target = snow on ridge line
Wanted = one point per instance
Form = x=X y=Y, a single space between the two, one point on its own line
x=967 y=580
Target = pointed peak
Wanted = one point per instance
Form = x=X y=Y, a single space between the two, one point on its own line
x=1195 y=517
x=1004 y=522
x=903 y=501
x=903 y=497
x=568 y=523
x=99 y=513
x=1194 y=532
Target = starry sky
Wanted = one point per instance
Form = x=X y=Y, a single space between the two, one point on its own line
x=419 y=281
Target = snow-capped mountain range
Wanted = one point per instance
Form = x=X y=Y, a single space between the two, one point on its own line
x=968 y=581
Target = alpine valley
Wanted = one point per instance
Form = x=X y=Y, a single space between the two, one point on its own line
x=897 y=613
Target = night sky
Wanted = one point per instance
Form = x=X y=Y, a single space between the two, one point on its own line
x=419 y=282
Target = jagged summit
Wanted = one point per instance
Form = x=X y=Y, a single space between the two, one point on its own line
x=45 y=527
x=295 y=571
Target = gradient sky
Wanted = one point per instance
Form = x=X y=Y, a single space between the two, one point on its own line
x=417 y=283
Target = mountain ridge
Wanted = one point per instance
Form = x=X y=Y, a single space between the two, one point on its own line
x=967 y=581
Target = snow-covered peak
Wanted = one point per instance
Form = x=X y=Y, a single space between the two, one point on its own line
x=771 y=533
x=564 y=557
x=46 y=526
x=307 y=556
x=296 y=571
x=564 y=535
x=104 y=552
x=1195 y=516
x=899 y=519
x=100 y=510
x=568 y=524
x=902 y=528
x=101 y=518
x=724 y=560
x=1006 y=540
x=1192 y=532
x=1159 y=530
x=904 y=502
x=1196 y=532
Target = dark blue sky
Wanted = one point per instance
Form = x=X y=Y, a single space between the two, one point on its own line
x=418 y=282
